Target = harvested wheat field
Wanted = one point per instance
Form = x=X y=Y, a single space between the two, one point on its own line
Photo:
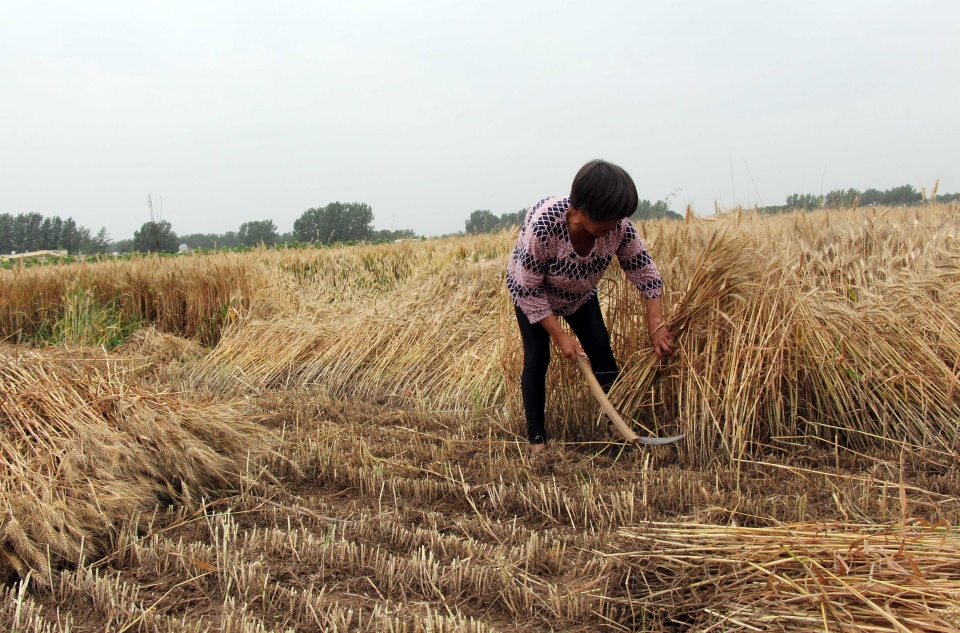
x=332 y=440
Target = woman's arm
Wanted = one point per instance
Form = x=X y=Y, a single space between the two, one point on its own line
x=636 y=262
x=660 y=337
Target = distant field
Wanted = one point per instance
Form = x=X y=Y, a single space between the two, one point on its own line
x=332 y=439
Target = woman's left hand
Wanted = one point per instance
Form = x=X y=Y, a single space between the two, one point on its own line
x=661 y=340
x=660 y=337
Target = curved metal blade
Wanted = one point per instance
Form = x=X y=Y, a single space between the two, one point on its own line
x=618 y=422
x=658 y=441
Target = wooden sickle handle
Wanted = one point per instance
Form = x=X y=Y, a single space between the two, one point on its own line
x=625 y=431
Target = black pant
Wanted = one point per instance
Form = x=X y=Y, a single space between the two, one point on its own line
x=587 y=324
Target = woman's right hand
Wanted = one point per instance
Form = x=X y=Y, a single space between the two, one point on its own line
x=569 y=346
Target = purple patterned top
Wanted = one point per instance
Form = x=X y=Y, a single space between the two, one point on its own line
x=545 y=275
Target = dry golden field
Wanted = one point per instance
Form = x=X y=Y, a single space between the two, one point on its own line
x=332 y=440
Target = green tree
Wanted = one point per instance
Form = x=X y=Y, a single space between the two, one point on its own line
x=660 y=209
x=156 y=237
x=201 y=240
x=904 y=194
x=840 y=198
x=121 y=246
x=59 y=234
x=512 y=219
x=230 y=239
x=871 y=196
x=805 y=201
x=485 y=221
x=387 y=235
x=28 y=232
x=336 y=222
x=99 y=243
x=257 y=232
x=211 y=241
x=482 y=221
x=6 y=232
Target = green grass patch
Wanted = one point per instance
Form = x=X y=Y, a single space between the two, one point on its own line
x=84 y=321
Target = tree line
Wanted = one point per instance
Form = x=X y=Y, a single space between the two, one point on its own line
x=334 y=223
x=28 y=232
x=846 y=198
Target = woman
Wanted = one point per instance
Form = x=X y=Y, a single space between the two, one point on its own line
x=565 y=245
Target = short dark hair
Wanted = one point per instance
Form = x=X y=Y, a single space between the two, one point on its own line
x=604 y=192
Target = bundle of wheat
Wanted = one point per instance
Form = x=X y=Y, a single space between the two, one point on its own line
x=86 y=449
x=726 y=273
x=797 y=577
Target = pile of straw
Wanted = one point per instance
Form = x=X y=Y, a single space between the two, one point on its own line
x=160 y=347
x=799 y=577
x=435 y=342
x=85 y=450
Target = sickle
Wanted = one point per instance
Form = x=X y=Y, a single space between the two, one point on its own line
x=625 y=431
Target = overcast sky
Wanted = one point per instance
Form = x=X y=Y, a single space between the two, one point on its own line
x=428 y=110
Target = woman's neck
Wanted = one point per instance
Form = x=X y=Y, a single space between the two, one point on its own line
x=580 y=238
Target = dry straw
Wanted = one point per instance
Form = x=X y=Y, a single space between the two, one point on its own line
x=797 y=577
x=154 y=346
x=430 y=337
x=839 y=327
x=842 y=332
x=85 y=449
